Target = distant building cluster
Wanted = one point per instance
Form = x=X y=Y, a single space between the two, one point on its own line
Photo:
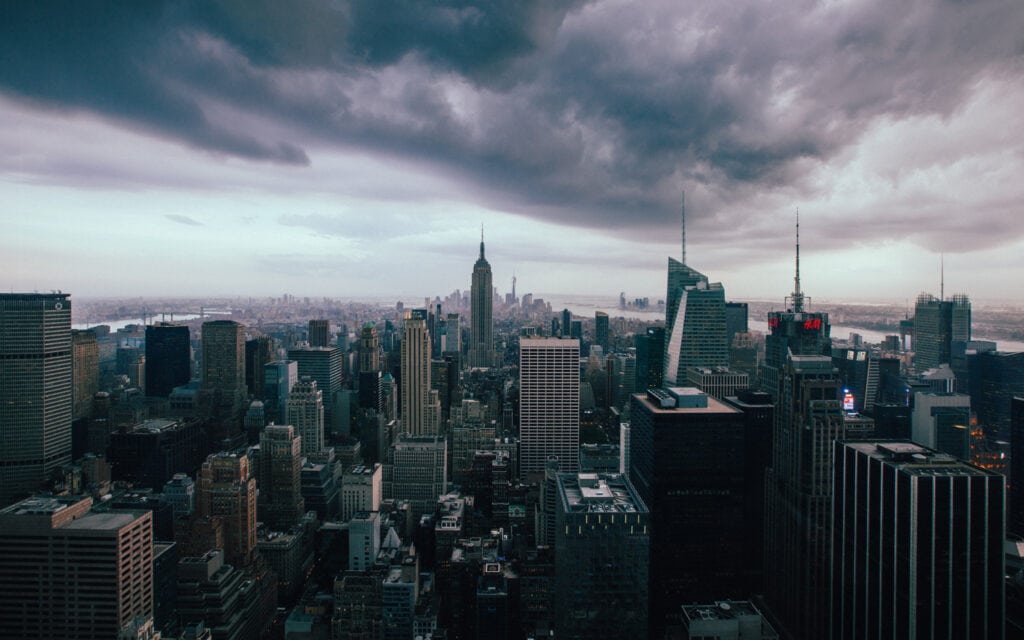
x=483 y=466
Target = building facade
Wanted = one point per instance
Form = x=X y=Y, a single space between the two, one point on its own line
x=481 y=327
x=549 y=403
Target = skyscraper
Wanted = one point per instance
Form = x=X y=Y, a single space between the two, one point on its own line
x=549 y=403
x=601 y=330
x=319 y=333
x=227 y=490
x=415 y=373
x=695 y=333
x=85 y=372
x=168 y=358
x=35 y=390
x=279 y=477
x=306 y=414
x=323 y=364
x=419 y=472
x=278 y=379
x=481 y=340
x=917 y=545
x=808 y=417
x=66 y=572
x=650 y=358
x=687 y=461
x=601 y=557
x=258 y=352
x=223 y=344
x=369 y=349
x=937 y=324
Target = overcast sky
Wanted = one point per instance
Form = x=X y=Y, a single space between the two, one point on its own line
x=354 y=148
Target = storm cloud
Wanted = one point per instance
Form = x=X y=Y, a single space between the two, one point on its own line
x=592 y=114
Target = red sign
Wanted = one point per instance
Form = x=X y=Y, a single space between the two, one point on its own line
x=773 y=322
x=812 y=324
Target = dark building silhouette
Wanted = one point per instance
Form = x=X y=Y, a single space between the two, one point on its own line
x=319 y=333
x=601 y=330
x=736 y=319
x=1015 y=521
x=808 y=417
x=601 y=558
x=650 y=358
x=687 y=462
x=35 y=390
x=917 y=545
x=937 y=324
x=258 y=353
x=168 y=358
x=150 y=453
x=85 y=373
x=995 y=378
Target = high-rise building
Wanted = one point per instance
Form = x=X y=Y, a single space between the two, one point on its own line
x=325 y=365
x=369 y=349
x=415 y=373
x=481 y=339
x=364 y=540
x=85 y=372
x=601 y=330
x=319 y=333
x=995 y=378
x=808 y=417
x=168 y=358
x=418 y=472
x=258 y=353
x=937 y=324
x=306 y=414
x=695 y=330
x=223 y=361
x=688 y=463
x=601 y=557
x=736 y=319
x=279 y=477
x=452 y=339
x=650 y=358
x=35 y=390
x=943 y=421
x=566 y=323
x=278 y=379
x=227 y=490
x=1015 y=519
x=549 y=403
x=66 y=572
x=361 y=490
x=917 y=545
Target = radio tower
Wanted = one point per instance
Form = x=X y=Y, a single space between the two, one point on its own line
x=797 y=297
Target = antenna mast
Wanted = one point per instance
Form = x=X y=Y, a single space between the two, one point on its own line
x=797 y=297
x=942 y=276
x=684 y=228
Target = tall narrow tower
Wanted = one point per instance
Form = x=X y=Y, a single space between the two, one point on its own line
x=415 y=373
x=35 y=390
x=481 y=339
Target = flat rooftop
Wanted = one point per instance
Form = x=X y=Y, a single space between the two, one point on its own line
x=598 y=493
x=110 y=520
x=914 y=459
x=714 y=406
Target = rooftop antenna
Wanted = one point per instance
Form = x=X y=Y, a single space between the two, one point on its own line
x=942 y=276
x=481 y=241
x=797 y=296
x=684 y=227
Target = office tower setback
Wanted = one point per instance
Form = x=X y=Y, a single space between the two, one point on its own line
x=227 y=490
x=85 y=373
x=549 y=403
x=319 y=333
x=601 y=558
x=306 y=414
x=917 y=545
x=279 y=477
x=415 y=374
x=66 y=572
x=481 y=340
x=35 y=390
x=688 y=460
x=361 y=490
x=168 y=358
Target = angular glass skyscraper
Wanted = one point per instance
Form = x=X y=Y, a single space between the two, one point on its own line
x=35 y=390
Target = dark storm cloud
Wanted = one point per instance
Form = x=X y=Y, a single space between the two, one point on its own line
x=593 y=114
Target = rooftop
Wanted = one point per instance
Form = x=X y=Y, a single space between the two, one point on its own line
x=916 y=460
x=598 y=493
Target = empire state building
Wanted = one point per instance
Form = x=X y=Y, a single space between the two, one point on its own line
x=481 y=338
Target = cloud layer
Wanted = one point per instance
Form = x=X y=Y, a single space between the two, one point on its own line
x=590 y=114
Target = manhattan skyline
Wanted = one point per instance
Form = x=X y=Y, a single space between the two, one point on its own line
x=339 y=150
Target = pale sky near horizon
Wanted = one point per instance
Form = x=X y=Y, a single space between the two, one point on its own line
x=354 y=148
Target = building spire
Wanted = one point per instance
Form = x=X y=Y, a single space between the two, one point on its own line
x=481 y=241
x=942 y=276
x=797 y=297
x=684 y=228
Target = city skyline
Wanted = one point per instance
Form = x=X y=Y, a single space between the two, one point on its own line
x=151 y=147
